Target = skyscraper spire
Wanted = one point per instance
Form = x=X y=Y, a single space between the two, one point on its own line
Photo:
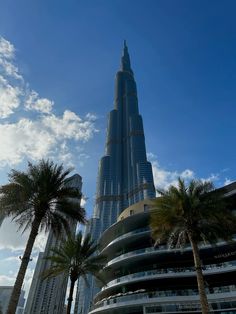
x=125 y=60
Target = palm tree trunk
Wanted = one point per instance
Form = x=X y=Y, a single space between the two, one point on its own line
x=70 y=299
x=23 y=267
x=200 y=279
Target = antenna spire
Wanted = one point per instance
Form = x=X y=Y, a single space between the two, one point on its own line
x=125 y=60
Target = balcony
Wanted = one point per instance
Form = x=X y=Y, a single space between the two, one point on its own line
x=219 y=298
x=177 y=272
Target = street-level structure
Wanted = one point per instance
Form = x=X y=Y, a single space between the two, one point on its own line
x=141 y=279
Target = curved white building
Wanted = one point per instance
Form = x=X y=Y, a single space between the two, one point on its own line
x=143 y=279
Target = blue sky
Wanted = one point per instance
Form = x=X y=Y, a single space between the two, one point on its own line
x=58 y=61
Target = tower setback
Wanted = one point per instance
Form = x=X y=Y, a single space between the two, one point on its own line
x=124 y=174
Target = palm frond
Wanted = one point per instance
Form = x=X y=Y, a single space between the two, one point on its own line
x=197 y=208
x=76 y=256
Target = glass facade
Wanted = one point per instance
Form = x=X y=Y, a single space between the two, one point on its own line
x=124 y=174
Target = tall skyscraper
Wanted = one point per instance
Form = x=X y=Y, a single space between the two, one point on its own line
x=124 y=176
x=48 y=296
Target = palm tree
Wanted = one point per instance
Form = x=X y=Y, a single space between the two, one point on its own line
x=75 y=258
x=190 y=214
x=39 y=199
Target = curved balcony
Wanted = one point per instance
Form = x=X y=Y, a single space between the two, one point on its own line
x=129 y=254
x=164 y=249
x=122 y=227
x=166 y=272
x=127 y=235
x=225 y=294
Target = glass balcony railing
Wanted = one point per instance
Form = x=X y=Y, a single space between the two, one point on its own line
x=142 y=294
x=161 y=248
x=172 y=271
x=136 y=252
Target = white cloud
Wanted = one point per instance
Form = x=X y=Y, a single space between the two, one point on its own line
x=213 y=177
x=7 y=50
x=164 y=178
x=34 y=102
x=227 y=181
x=42 y=137
x=9 y=98
x=70 y=126
x=7 y=280
x=14 y=240
x=11 y=258
x=10 y=280
x=10 y=69
x=64 y=155
x=83 y=201
x=25 y=138
x=9 y=93
x=10 y=238
x=7 y=55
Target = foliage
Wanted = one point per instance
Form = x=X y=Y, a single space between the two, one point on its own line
x=75 y=257
x=41 y=193
x=197 y=209
x=192 y=214
x=39 y=199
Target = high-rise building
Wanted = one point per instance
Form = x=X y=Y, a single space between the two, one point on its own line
x=5 y=295
x=124 y=175
x=48 y=296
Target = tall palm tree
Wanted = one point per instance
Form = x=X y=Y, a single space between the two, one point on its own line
x=39 y=199
x=190 y=214
x=75 y=258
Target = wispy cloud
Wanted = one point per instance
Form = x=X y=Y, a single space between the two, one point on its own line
x=163 y=178
x=34 y=102
x=9 y=280
x=227 y=181
x=9 y=98
x=46 y=134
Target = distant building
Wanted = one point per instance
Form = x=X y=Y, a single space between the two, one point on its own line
x=5 y=295
x=48 y=296
x=124 y=173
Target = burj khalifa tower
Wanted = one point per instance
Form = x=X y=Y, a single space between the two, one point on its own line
x=124 y=175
